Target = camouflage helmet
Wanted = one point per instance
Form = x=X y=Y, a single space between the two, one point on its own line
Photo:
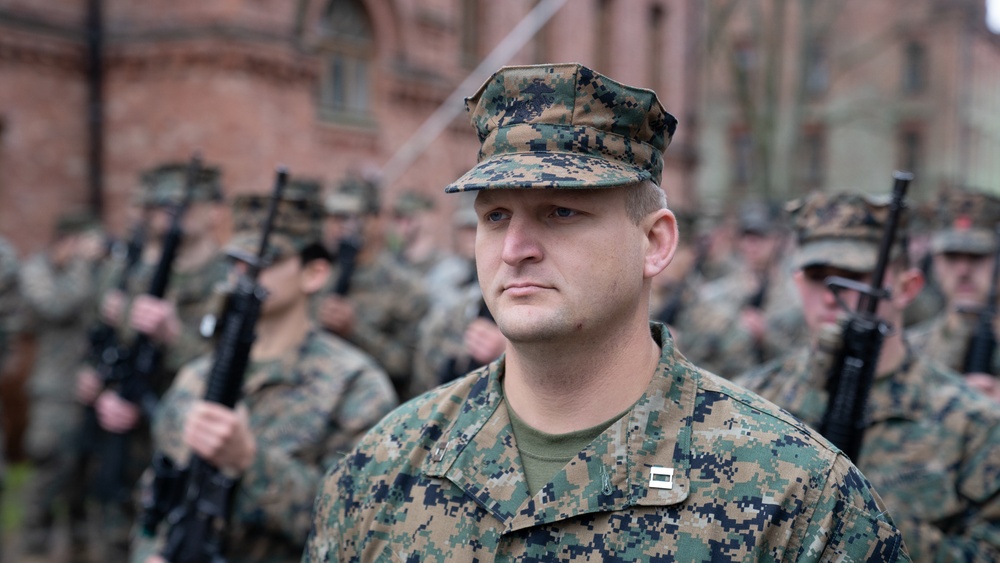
x=842 y=230
x=297 y=222
x=564 y=126
x=966 y=222
x=165 y=185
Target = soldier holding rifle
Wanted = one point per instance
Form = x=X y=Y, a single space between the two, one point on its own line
x=306 y=397
x=965 y=248
x=929 y=443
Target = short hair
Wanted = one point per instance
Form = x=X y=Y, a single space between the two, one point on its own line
x=642 y=198
x=314 y=251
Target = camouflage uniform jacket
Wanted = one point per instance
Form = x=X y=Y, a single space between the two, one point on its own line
x=390 y=302
x=55 y=302
x=947 y=346
x=441 y=479
x=931 y=450
x=306 y=410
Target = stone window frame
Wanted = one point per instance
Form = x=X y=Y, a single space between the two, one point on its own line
x=347 y=52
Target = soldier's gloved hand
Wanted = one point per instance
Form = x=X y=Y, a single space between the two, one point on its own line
x=116 y=414
x=220 y=435
x=156 y=318
x=88 y=385
x=985 y=383
x=113 y=307
x=336 y=314
x=484 y=341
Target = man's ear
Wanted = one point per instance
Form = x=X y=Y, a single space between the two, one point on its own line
x=909 y=285
x=661 y=238
x=315 y=274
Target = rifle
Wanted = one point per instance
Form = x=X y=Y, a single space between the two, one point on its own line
x=197 y=522
x=983 y=342
x=107 y=354
x=854 y=369
x=144 y=356
x=347 y=258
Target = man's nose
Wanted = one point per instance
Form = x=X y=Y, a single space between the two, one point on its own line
x=520 y=241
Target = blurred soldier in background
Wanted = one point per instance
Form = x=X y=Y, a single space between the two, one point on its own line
x=930 y=301
x=373 y=301
x=307 y=397
x=964 y=246
x=459 y=333
x=410 y=235
x=57 y=287
x=171 y=323
x=751 y=315
x=9 y=303
x=931 y=446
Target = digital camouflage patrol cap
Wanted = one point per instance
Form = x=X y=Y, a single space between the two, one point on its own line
x=354 y=196
x=966 y=222
x=298 y=222
x=842 y=231
x=165 y=185
x=564 y=126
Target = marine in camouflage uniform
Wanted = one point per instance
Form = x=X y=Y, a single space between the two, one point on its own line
x=9 y=303
x=672 y=462
x=931 y=445
x=172 y=323
x=964 y=247
x=309 y=398
x=751 y=315
x=384 y=300
x=57 y=287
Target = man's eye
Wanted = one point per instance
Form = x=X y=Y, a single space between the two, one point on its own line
x=494 y=216
x=564 y=212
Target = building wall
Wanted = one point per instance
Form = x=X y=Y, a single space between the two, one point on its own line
x=241 y=83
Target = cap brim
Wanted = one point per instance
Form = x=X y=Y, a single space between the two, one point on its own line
x=975 y=241
x=851 y=255
x=244 y=247
x=547 y=170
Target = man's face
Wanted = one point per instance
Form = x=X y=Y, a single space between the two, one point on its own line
x=758 y=249
x=964 y=278
x=283 y=281
x=557 y=264
x=820 y=306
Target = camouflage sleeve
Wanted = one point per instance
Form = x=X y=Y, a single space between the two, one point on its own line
x=394 y=345
x=278 y=490
x=53 y=296
x=850 y=522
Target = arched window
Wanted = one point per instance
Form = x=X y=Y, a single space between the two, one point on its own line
x=914 y=68
x=348 y=49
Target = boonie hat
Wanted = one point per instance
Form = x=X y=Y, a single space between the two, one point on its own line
x=564 y=126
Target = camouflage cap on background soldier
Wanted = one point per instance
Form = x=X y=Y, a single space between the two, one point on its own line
x=354 y=196
x=165 y=185
x=966 y=222
x=411 y=203
x=297 y=222
x=76 y=221
x=842 y=231
x=564 y=126
x=760 y=218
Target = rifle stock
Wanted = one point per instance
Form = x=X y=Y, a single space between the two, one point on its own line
x=197 y=522
x=854 y=369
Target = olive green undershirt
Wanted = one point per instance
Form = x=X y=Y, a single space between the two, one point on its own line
x=544 y=455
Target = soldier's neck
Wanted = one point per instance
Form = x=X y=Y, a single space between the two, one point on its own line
x=279 y=334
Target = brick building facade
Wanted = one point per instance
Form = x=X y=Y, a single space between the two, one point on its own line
x=326 y=87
